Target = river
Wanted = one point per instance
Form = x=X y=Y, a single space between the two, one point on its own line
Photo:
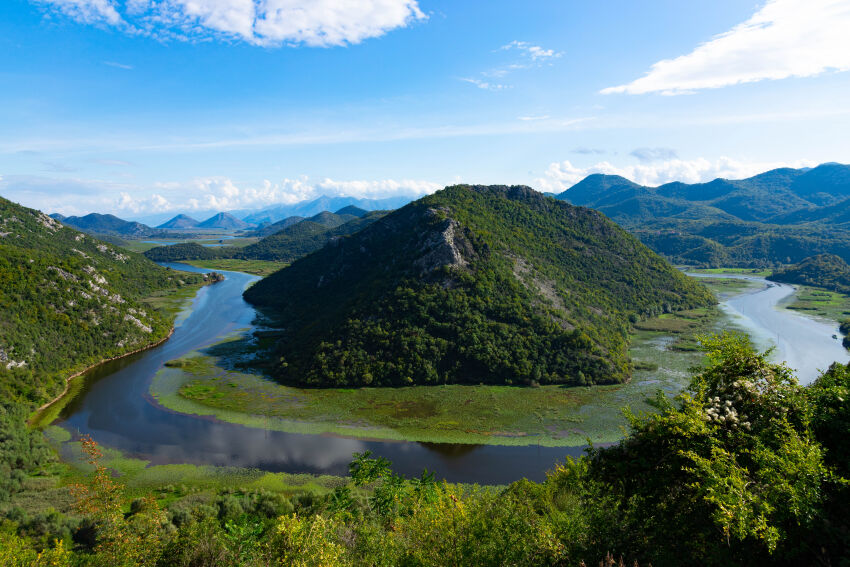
x=803 y=343
x=116 y=409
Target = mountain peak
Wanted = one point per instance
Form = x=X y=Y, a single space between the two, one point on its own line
x=180 y=221
x=471 y=284
x=223 y=221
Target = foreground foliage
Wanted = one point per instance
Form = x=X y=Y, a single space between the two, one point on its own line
x=747 y=468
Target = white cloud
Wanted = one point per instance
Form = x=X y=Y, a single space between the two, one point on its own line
x=563 y=175
x=80 y=196
x=785 y=38
x=319 y=23
x=486 y=85
x=533 y=52
x=533 y=118
x=86 y=11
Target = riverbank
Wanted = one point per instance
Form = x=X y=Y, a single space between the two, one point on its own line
x=663 y=349
x=172 y=304
x=48 y=412
x=253 y=267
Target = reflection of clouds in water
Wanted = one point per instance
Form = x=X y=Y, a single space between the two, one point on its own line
x=228 y=445
x=116 y=412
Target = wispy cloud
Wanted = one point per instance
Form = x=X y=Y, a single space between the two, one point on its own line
x=57 y=167
x=530 y=56
x=563 y=175
x=113 y=162
x=118 y=65
x=588 y=151
x=785 y=38
x=308 y=137
x=536 y=53
x=533 y=118
x=320 y=23
x=486 y=85
x=648 y=155
x=81 y=196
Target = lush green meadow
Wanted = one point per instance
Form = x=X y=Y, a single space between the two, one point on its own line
x=820 y=303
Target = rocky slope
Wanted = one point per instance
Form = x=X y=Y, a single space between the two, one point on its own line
x=68 y=300
x=472 y=284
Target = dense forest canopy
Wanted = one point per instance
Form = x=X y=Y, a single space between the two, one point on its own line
x=777 y=217
x=472 y=284
x=826 y=271
x=68 y=300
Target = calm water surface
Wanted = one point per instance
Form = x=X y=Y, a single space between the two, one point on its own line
x=805 y=344
x=116 y=409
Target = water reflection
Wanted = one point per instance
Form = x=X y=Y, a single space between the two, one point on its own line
x=805 y=344
x=115 y=408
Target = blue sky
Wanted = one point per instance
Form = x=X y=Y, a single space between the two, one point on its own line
x=137 y=107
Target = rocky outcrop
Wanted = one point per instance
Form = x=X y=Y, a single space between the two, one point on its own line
x=444 y=245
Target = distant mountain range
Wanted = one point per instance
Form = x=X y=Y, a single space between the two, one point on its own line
x=230 y=220
x=284 y=241
x=224 y=221
x=777 y=217
x=779 y=196
x=309 y=208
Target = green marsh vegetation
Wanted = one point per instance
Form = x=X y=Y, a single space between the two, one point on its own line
x=255 y=267
x=744 y=468
x=663 y=349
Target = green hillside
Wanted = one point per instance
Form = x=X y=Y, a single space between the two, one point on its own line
x=472 y=284
x=777 y=217
x=827 y=271
x=67 y=301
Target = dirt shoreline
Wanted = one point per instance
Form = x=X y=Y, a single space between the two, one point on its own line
x=68 y=380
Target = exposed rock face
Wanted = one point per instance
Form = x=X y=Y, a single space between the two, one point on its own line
x=446 y=245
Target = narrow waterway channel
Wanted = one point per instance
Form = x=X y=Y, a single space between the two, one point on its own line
x=116 y=409
x=807 y=345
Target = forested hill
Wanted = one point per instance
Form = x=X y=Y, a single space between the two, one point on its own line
x=777 y=217
x=307 y=236
x=472 y=284
x=827 y=271
x=96 y=224
x=68 y=300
